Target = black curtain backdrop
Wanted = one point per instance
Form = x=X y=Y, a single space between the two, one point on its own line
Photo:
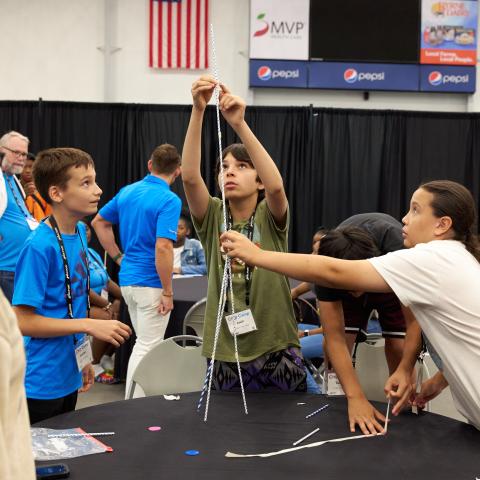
x=334 y=163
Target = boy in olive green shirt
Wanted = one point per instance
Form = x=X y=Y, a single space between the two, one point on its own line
x=270 y=357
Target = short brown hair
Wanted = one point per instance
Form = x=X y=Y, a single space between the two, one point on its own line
x=165 y=159
x=51 y=167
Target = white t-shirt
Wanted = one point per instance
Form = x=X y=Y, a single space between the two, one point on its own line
x=177 y=256
x=440 y=282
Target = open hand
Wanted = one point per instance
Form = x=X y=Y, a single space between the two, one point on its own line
x=362 y=413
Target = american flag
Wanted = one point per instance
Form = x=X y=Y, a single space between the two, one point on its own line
x=178 y=34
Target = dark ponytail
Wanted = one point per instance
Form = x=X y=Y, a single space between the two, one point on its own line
x=450 y=199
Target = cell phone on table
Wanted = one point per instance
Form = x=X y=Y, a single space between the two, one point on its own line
x=50 y=472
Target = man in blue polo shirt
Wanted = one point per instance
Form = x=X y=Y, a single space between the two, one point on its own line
x=147 y=213
x=16 y=223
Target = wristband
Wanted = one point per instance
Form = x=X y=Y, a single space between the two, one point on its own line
x=167 y=294
x=118 y=256
x=306 y=333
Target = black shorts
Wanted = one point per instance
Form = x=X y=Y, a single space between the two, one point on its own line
x=357 y=311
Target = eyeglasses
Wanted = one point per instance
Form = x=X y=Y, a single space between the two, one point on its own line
x=16 y=152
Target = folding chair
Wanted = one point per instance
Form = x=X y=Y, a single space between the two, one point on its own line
x=171 y=368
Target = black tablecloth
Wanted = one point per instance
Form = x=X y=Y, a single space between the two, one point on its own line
x=425 y=447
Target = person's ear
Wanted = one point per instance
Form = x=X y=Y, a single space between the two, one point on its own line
x=444 y=224
x=55 y=193
x=150 y=165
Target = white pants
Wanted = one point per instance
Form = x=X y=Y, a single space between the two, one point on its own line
x=148 y=324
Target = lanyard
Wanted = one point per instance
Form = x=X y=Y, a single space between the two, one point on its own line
x=248 y=269
x=66 y=268
x=23 y=208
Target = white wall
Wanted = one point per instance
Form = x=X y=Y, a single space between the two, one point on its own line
x=96 y=50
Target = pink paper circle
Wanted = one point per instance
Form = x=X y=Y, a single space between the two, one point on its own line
x=154 y=429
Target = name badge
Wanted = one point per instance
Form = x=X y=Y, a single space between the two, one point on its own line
x=333 y=387
x=104 y=293
x=83 y=354
x=32 y=223
x=241 y=322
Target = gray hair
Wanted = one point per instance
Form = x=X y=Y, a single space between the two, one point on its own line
x=7 y=136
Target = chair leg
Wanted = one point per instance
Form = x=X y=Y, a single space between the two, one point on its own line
x=132 y=390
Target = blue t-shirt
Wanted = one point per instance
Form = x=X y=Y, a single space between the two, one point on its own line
x=52 y=370
x=98 y=274
x=145 y=210
x=14 y=229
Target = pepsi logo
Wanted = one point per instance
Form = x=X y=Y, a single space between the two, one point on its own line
x=350 y=75
x=264 y=73
x=435 y=78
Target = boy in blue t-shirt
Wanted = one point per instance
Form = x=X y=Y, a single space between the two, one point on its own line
x=51 y=287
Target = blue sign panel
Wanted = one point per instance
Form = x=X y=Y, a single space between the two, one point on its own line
x=278 y=73
x=363 y=76
x=439 y=78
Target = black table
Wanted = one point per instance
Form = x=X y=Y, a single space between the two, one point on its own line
x=425 y=447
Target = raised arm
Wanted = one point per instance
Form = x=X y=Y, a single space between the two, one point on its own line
x=233 y=110
x=353 y=275
x=193 y=183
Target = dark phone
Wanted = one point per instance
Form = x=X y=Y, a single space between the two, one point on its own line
x=50 y=472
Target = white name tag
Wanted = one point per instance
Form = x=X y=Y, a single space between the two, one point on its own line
x=104 y=293
x=241 y=322
x=83 y=354
x=333 y=385
x=32 y=223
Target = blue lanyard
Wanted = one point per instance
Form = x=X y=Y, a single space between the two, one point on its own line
x=20 y=205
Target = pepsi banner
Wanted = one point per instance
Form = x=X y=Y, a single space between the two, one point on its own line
x=275 y=73
x=363 y=76
x=449 y=32
x=436 y=78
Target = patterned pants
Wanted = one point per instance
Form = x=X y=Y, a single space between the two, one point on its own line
x=282 y=371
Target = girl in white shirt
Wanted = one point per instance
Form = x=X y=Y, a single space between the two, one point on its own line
x=438 y=278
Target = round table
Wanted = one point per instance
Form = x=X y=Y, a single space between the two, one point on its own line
x=427 y=446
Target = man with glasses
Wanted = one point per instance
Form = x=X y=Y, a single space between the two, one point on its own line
x=16 y=223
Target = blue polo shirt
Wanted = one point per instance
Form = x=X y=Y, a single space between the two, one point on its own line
x=52 y=370
x=145 y=210
x=14 y=229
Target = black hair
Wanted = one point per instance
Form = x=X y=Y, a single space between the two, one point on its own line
x=348 y=243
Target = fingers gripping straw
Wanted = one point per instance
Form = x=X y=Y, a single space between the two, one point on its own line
x=227 y=273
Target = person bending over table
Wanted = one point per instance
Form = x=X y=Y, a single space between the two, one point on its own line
x=345 y=314
x=437 y=277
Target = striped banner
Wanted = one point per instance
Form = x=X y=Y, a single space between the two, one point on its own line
x=178 y=34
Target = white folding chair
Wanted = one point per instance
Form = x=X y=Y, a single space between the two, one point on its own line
x=195 y=318
x=171 y=368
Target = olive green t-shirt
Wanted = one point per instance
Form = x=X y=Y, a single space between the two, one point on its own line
x=270 y=300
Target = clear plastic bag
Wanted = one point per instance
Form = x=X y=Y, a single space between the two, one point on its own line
x=50 y=444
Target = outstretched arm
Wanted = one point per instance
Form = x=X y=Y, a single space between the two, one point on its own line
x=354 y=275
